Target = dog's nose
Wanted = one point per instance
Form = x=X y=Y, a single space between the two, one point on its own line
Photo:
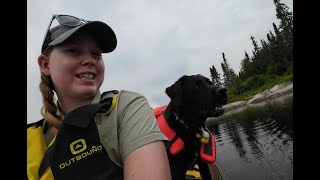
x=222 y=95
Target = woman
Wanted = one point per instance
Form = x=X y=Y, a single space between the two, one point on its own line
x=72 y=69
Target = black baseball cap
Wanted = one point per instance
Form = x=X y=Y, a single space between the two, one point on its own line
x=104 y=35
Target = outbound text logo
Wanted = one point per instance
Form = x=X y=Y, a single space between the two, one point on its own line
x=78 y=146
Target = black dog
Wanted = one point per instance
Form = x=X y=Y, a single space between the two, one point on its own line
x=193 y=100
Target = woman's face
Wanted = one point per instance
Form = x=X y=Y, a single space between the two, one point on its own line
x=76 y=67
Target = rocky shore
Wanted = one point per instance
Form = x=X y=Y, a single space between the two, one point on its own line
x=276 y=93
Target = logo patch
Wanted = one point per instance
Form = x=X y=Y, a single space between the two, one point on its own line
x=78 y=146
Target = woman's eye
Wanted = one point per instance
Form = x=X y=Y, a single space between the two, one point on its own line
x=74 y=51
x=97 y=54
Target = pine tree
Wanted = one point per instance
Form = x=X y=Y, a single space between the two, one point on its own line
x=215 y=76
x=228 y=73
x=255 y=55
x=246 y=69
x=286 y=28
x=256 y=48
x=286 y=20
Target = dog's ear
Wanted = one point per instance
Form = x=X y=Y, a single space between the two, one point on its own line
x=175 y=91
x=207 y=80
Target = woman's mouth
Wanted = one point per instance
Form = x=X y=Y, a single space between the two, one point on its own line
x=86 y=76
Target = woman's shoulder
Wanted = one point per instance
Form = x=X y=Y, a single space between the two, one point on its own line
x=35 y=124
x=129 y=99
x=125 y=98
x=130 y=94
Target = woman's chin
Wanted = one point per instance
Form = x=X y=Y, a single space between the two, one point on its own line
x=86 y=91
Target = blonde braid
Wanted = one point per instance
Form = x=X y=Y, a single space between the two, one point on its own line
x=49 y=109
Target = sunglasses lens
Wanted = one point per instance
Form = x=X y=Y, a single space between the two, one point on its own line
x=68 y=20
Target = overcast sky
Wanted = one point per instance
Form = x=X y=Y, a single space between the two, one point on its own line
x=158 y=40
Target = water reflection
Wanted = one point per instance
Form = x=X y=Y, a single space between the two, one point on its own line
x=257 y=145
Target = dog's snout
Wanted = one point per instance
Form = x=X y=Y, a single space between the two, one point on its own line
x=221 y=91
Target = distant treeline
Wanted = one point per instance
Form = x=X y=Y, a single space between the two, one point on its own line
x=270 y=64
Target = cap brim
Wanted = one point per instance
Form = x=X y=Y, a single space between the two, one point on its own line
x=101 y=31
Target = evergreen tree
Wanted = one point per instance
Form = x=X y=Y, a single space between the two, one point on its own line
x=270 y=37
x=286 y=28
x=280 y=53
x=228 y=73
x=246 y=69
x=255 y=46
x=225 y=75
x=263 y=44
x=215 y=76
x=286 y=20
x=255 y=55
x=273 y=58
x=276 y=30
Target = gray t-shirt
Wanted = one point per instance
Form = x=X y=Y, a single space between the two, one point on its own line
x=130 y=125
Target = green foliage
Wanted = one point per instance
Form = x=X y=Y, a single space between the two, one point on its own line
x=215 y=76
x=229 y=75
x=256 y=84
x=269 y=65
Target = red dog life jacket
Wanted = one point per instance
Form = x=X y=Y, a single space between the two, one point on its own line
x=207 y=150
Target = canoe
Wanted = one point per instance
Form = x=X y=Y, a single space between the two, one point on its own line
x=217 y=172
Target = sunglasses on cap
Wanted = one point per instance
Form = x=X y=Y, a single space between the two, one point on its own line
x=65 y=20
x=69 y=25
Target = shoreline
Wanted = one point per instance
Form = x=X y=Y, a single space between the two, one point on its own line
x=279 y=92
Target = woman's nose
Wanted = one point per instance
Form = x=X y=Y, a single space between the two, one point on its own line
x=88 y=60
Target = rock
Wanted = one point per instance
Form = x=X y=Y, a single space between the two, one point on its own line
x=234 y=105
x=278 y=92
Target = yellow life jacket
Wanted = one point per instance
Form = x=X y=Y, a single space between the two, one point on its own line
x=36 y=147
x=36 y=144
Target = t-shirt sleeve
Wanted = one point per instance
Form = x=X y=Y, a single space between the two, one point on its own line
x=138 y=125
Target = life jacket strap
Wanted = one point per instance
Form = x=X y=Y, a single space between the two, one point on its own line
x=38 y=154
x=208 y=150
x=176 y=144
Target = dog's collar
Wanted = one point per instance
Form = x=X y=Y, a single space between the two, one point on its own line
x=201 y=134
x=182 y=122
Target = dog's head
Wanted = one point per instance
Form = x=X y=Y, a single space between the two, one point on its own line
x=198 y=96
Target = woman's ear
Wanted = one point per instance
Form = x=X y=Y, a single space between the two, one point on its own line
x=43 y=62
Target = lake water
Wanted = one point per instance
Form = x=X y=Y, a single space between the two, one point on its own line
x=256 y=148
